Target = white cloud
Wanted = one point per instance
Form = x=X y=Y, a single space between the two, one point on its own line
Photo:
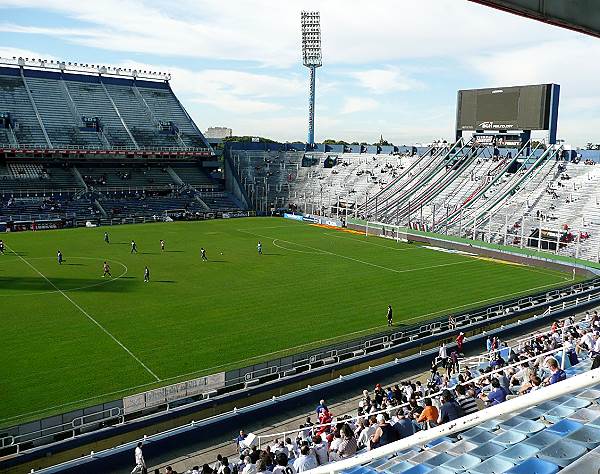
x=358 y=104
x=384 y=81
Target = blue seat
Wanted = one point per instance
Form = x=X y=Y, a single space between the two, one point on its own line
x=489 y=425
x=512 y=422
x=534 y=466
x=518 y=453
x=588 y=436
x=595 y=422
x=483 y=437
x=474 y=432
x=547 y=405
x=400 y=467
x=532 y=413
x=492 y=466
x=577 y=403
x=562 y=452
x=487 y=450
x=558 y=413
x=564 y=427
x=529 y=427
x=584 y=415
x=542 y=439
x=462 y=462
x=439 y=459
x=418 y=469
x=377 y=462
x=508 y=438
x=440 y=470
x=437 y=441
x=590 y=394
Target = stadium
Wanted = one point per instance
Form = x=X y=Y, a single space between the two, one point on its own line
x=163 y=290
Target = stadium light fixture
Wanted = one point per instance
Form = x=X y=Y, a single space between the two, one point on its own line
x=312 y=59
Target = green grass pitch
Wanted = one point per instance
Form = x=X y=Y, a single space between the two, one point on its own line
x=71 y=338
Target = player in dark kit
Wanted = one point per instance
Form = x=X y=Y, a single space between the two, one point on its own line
x=133 y=247
x=162 y=245
x=146 y=275
x=1 y=246
x=106 y=269
x=389 y=315
x=203 y=254
x=259 y=248
x=106 y=239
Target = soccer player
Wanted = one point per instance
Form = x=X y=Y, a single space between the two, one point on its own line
x=106 y=239
x=106 y=269
x=389 y=315
x=162 y=245
x=133 y=247
x=146 y=275
x=259 y=247
x=203 y=253
x=59 y=257
x=2 y=246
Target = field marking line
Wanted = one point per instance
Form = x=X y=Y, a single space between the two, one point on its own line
x=462 y=262
x=318 y=342
x=78 y=288
x=311 y=252
x=371 y=243
x=85 y=313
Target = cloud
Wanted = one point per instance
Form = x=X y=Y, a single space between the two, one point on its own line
x=358 y=104
x=384 y=81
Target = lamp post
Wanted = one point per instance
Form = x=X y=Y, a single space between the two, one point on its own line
x=312 y=59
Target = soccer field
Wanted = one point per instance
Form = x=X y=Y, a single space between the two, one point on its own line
x=71 y=338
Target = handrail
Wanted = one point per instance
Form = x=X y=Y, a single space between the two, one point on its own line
x=37 y=146
x=119 y=114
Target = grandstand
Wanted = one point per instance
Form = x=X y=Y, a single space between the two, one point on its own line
x=80 y=145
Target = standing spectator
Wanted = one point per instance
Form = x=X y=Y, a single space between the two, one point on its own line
x=140 y=462
x=488 y=344
x=240 y=441
x=460 y=340
x=320 y=406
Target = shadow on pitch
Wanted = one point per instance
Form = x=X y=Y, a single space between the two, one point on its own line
x=33 y=284
x=164 y=281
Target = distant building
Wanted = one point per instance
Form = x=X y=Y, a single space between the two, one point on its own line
x=218 y=132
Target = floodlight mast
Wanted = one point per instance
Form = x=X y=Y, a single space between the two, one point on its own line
x=311 y=57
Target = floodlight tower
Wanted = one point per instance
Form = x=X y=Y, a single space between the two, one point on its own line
x=311 y=57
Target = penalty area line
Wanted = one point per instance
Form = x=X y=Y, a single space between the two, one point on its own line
x=86 y=314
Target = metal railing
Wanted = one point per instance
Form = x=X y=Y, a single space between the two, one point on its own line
x=59 y=148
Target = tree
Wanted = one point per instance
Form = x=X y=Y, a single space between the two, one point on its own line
x=331 y=141
x=247 y=138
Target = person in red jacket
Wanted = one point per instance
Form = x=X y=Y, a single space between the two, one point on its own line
x=325 y=418
x=460 y=339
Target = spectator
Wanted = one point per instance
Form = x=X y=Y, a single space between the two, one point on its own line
x=282 y=465
x=558 y=375
x=430 y=414
x=306 y=461
x=140 y=463
x=460 y=340
x=497 y=395
x=169 y=470
x=320 y=448
x=261 y=467
x=450 y=410
x=365 y=435
x=384 y=434
x=240 y=441
x=405 y=426
x=321 y=406
x=348 y=446
x=249 y=467
x=466 y=401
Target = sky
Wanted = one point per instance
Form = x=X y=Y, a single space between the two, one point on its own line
x=390 y=67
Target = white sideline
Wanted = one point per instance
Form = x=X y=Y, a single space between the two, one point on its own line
x=87 y=315
x=421 y=438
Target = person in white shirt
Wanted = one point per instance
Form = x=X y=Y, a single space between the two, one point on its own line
x=282 y=465
x=140 y=463
x=365 y=435
x=305 y=462
x=320 y=448
x=292 y=448
x=261 y=467
x=249 y=468
x=224 y=463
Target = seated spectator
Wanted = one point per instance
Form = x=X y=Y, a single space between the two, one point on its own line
x=450 y=409
x=405 y=425
x=319 y=449
x=497 y=395
x=282 y=465
x=429 y=415
x=557 y=374
x=465 y=400
x=348 y=446
x=384 y=434
x=306 y=461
